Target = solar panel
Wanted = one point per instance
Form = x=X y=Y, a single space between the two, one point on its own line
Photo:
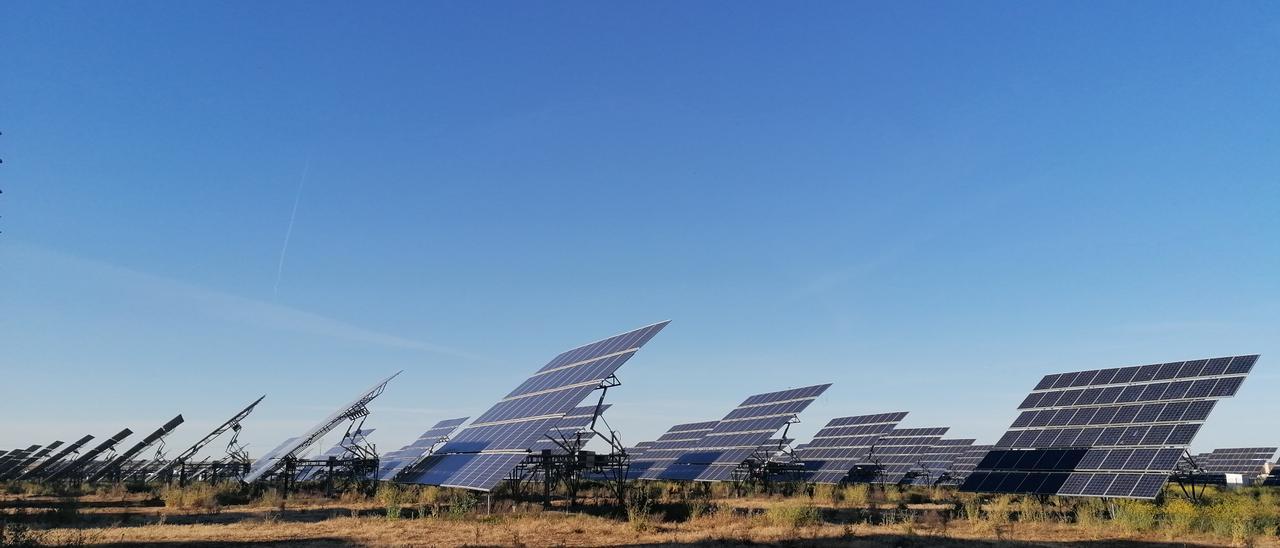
x=394 y=462
x=488 y=449
x=1247 y=461
x=146 y=442
x=965 y=463
x=1108 y=433
x=15 y=458
x=657 y=455
x=898 y=452
x=295 y=446
x=734 y=438
x=51 y=463
x=78 y=464
x=232 y=424
x=934 y=466
x=842 y=444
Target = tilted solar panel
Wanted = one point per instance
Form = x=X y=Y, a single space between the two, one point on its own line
x=52 y=463
x=734 y=438
x=1246 y=461
x=659 y=454
x=294 y=447
x=900 y=451
x=1108 y=433
x=935 y=464
x=965 y=463
x=401 y=459
x=844 y=443
x=485 y=452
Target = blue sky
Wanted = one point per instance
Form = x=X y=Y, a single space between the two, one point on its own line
x=930 y=205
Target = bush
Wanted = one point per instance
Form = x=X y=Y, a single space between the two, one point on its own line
x=640 y=511
x=270 y=498
x=793 y=515
x=1179 y=516
x=1135 y=516
x=392 y=497
x=201 y=496
x=858 y=494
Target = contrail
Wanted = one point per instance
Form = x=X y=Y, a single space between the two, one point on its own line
x=275 y=290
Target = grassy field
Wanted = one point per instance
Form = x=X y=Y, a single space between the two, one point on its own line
x=205 y=515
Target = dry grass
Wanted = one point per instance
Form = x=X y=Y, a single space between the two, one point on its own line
x=442 y=518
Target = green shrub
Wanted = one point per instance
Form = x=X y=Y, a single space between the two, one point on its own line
x=1179 y=516
x=393 y=498
x=793 y=515
x=1134 y=516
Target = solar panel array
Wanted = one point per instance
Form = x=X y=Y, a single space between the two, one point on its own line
x=899 y=452
x=659 y=454
x=51 y=463
x=1109 y=433
x=1247 y=461
x=490 y=448
x=965 y=464
x=11 y=461
x=394 y=462
x=934 y=465
x=844 y=443
x=88 y=457
x=734 y=438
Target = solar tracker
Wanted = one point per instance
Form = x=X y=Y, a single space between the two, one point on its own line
x=1107 y=433
x=78 y=464
x=934 y=465
x=353 y=411
x=573 y=431
x=659 y=454
x=146 y=442
x=898 y=452
x=844 y=443
x=734 y=438
x=1246 y=461
x=404 y=458
x=23 y=464
x=232 y=424
x=340 y=450
x=16 y=457
x=965 y=463
x=488 y=449
x=52 y=462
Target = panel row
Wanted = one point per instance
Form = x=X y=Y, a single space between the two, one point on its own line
x=1144 y=486
x=1184 y=411
x=1160 y=434
x=1237 y=365
x=1221 y=387
x=887 y=418
x=1065 y=460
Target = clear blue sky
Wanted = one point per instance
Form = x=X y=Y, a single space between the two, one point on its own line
x=930 y=205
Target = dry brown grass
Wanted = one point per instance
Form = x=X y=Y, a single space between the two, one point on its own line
x=709 y=522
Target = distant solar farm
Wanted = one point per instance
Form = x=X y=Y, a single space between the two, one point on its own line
x=1121 y=432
